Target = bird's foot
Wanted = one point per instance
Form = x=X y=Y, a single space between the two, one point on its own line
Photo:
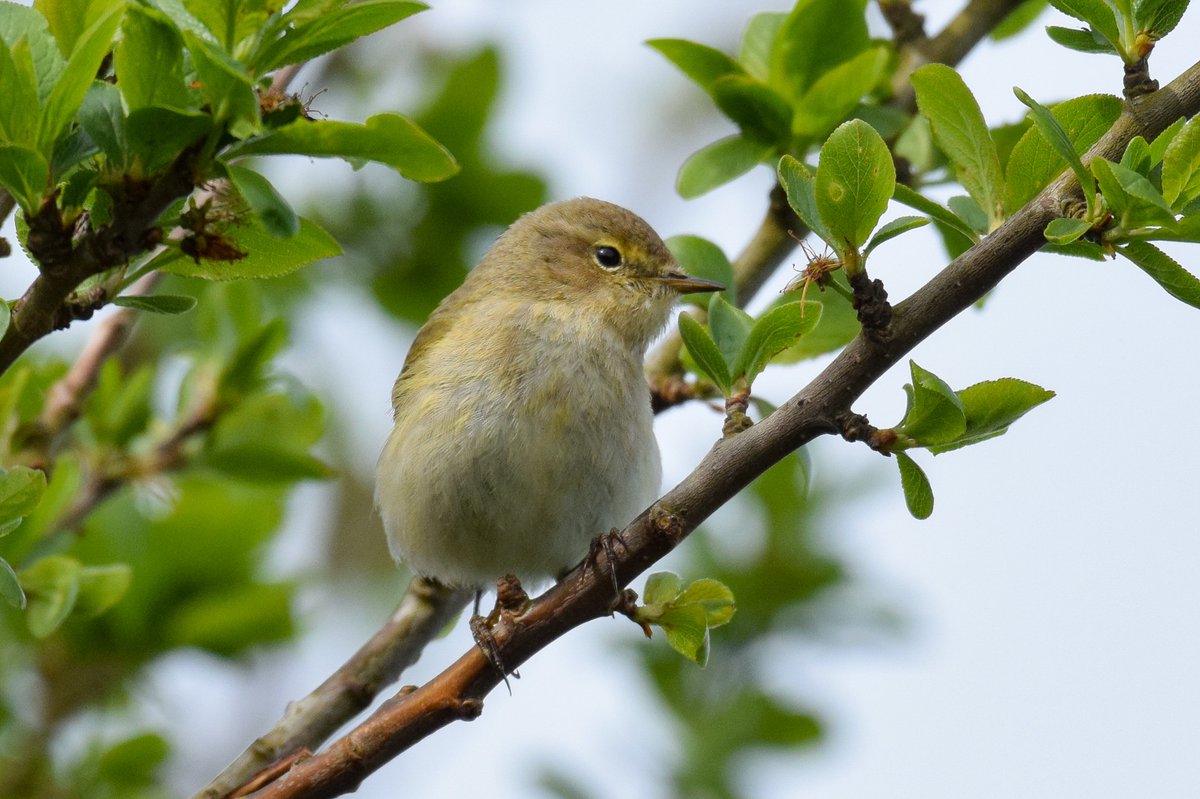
x=607 y=544
x=511 y=601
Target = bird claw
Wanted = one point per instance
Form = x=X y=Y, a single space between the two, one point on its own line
x=606 y=543
x=511 y=601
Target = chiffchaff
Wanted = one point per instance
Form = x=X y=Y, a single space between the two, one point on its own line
x=522 y=417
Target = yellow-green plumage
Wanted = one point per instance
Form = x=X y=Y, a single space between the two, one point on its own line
x=522 y=418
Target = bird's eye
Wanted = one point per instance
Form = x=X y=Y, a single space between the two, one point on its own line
x=607 y=257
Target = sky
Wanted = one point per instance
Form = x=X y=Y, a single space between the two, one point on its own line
x=1051 y=600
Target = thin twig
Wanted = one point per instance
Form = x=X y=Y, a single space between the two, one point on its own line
x=426 y=608
x=457 y=693
x=65 y=399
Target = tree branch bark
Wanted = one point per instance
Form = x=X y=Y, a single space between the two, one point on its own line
x=457 y=693
x=426 y=608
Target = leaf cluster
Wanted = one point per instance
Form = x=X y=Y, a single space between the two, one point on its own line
x=941 y=419
x=120 y=110
x=797 y=76
x=1125 y=28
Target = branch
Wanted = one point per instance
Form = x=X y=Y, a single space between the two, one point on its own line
x=66 y=261
x=586 y=593
x=64 y=401
x=427 y=607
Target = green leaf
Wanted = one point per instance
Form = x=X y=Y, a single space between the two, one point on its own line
x=20 y=110
x=1020 y=18
x=63 y=488
x=686 y=630
x=918 y=494
x=390 y=139
x=149 y=60
x=1185 y=229
x=1064 y=230
x=1110 y=187
x=889 y=231
x=855 y=180
x=5 y=317
x=10 y=586
x=718 y=163
x=1158 y=147
x=758 y=41
x=26 y=175
x=256 y=463
x=699 y=257
x=730 y=327
x=1034 y=161
x=801 y=188
x=119 y=407
x=1094 y=12
x=21 y=489
x=244 y=371
x=266 y=256
x=156 y=136
x=661 y=588
x=701 y=63
x=157 y=303
x=1175 y=280
x=102 y=117
x=101 y=587
x=33 y=48
x=906 y=196
x=962 y=134
x=713 y=596
x=225 y=620
x=773 y=332
x=134 y=761
x=816 y=36
x=52 y=587
x=935 y=414
x=1181 y=166
x=68 y=92
x=1137 y=156
x=330 y=31
x=1083 y=41
x=836 y=93
x=754 y=107
x=968 y=211
x=838 y=324
x=992 y=406
x=225 y=85
x=268 y=205
x=704 y=351
x=1158 y=17
x=1061 y=142
x=1147 y=205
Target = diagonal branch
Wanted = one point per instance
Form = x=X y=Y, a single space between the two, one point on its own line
x=586 y=593
x=426 y=608
x=763 y=254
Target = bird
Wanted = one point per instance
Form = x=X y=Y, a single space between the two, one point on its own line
x=522 y=426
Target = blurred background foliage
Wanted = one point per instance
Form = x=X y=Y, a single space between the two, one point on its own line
x=172 y=490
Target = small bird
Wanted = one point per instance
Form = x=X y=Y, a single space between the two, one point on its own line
x=522 y=418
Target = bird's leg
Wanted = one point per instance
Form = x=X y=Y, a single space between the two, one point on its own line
x=511 y=601
x=606 y=543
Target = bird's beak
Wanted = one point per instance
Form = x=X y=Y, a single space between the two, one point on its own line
x=686 y=284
